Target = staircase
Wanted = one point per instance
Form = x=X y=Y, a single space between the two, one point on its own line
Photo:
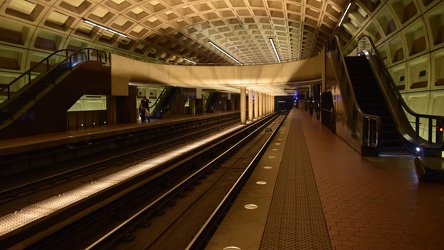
x=27 y=94
x=37 y=105
x=25 y=89
x=165 y=102
x=211 y=102
x=371 y=101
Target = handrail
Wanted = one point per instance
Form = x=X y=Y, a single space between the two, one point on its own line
x=371 y=128
x=398 y=106
x=71 y=59
x=27 y=75
x=159 y=98
x=171 y=103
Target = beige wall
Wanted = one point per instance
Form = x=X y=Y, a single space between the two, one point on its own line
x=270 y=78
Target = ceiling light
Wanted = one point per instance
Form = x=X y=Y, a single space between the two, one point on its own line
x=103 y=27
x=275 y=51
x=345 y=13
x=223 y=51
x=188 y=60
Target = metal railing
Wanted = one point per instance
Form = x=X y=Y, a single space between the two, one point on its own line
x=65 y=56
x=409 y=128
x=29 y=81
x=365 y=128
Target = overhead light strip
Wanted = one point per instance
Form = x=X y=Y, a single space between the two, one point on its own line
x=103 y=27
x=190 y=61
x=223 y=51
x=275 y=51
x=345 y=13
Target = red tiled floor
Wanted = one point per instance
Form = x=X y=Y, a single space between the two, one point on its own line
x=372 y=203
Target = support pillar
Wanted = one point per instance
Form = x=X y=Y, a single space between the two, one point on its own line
x=259 y=104
x=243 y=105
x=263 y=98
x=256 y=105
x=269 y=103
x=265 y=104
x=250 y=105
x=273 y=108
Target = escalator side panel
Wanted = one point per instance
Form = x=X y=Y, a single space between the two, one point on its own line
x=48 y=115
x=372 y=101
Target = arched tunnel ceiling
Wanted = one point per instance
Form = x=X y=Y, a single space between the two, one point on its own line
x=168 y=31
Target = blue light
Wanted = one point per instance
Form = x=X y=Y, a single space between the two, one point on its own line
x=418 y=149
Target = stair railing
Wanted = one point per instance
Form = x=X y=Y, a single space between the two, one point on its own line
x=29 y=78
x=410 y=129
x=365 y=128
x=172 y=102
x=158 y=100
x=59 y=57
x=156 y=104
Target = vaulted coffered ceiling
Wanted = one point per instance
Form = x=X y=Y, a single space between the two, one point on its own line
x=168 y=31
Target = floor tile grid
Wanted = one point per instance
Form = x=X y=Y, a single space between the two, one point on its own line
x=369 y=207
x=296 y=219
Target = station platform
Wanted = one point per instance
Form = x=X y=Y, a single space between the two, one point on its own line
x=23 y=144
x=312 y=191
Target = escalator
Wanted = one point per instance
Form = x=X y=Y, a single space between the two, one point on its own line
x=40 y=105
x=370 y=112
x=211 y=102
x=165 y=102
x=372 y=101
x=28 y=94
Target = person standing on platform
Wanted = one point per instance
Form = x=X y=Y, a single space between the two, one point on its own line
x=142 y=111
x=147 y=108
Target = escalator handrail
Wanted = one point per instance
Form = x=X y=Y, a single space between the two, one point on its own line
x=402 y=105
x=364 y=116
x=101 y=56
x=28 y=73
x=158 y=98
x=172 y=102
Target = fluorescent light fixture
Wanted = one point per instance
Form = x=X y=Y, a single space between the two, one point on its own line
x=103 y=27
x=223 y=51
x=188 y=60
x=345 y=13
x=275 y=51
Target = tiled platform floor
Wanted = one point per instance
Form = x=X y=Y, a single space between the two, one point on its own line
x=373 y=202
x=367 y=202
x=352 y=202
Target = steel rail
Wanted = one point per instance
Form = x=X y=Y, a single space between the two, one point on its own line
x=31 y=187
x=128 y=224
x=61 y=219
x=200 y=239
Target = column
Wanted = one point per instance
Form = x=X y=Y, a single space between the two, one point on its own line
x=259 y=103
x=231 y=106
x=272 y=104
x=256 y=105
x=250 y=105
x=243 y=105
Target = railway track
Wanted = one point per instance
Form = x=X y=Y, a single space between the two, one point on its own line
x=110 y=217
x=94 y=168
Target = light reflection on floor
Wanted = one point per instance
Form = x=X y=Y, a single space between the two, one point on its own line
x=26 y=215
